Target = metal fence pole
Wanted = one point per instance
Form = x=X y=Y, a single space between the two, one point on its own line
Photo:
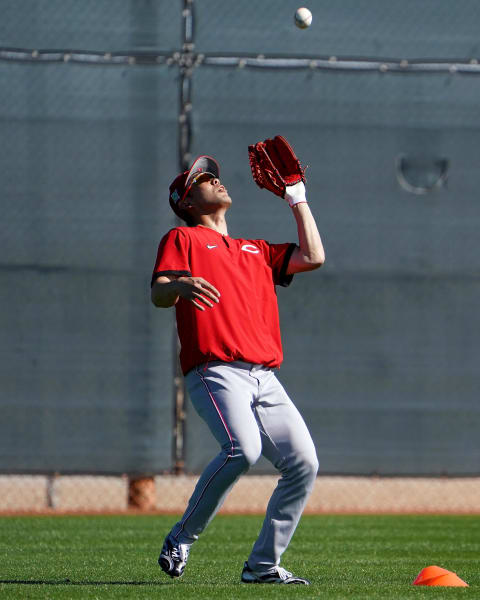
x=184 y=147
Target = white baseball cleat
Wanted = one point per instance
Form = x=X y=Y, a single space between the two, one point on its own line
x=274 y=575
x=173 y=557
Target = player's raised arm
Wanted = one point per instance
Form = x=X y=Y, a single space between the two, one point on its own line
x=276 y=167
x=310 y=255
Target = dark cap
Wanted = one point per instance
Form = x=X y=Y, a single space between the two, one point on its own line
x=181 y=185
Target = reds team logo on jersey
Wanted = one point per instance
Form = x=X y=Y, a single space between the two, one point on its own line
x=250 y=248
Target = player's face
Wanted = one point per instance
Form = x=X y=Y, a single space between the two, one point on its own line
x=208 y=192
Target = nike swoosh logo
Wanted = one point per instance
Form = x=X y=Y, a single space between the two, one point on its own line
x=210 y=247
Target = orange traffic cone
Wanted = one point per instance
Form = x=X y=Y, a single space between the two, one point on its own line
x=434 y=575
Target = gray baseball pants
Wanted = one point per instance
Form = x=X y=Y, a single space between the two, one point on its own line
x=250 y=414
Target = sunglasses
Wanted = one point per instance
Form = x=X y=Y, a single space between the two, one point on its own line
x=202 y=177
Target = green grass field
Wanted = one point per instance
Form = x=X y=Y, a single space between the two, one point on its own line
x=344 y=556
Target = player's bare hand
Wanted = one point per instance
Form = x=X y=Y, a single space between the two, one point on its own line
x=198 y=291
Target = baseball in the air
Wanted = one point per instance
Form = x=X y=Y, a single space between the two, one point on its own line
x=303 y=18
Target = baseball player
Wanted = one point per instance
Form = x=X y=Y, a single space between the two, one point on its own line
x=223 y=290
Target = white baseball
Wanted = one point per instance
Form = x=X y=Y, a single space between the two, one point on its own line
x=303 y=18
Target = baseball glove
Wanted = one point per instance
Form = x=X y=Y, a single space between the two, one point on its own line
x=274 y=165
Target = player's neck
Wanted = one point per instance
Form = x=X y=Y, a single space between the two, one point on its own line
x=216 y=222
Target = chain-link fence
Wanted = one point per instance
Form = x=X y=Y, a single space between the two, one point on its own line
x=102 y=104
x=35 y=494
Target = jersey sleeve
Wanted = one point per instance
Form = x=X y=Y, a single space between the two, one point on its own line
x=172 y=255
x=278 y=257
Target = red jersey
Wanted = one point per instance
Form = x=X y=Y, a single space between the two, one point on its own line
x=244 y=325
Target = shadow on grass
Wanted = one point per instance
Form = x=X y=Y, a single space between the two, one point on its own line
x=69 y=582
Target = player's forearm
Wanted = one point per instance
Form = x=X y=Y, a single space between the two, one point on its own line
x=311 y=247
x=164 y=295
